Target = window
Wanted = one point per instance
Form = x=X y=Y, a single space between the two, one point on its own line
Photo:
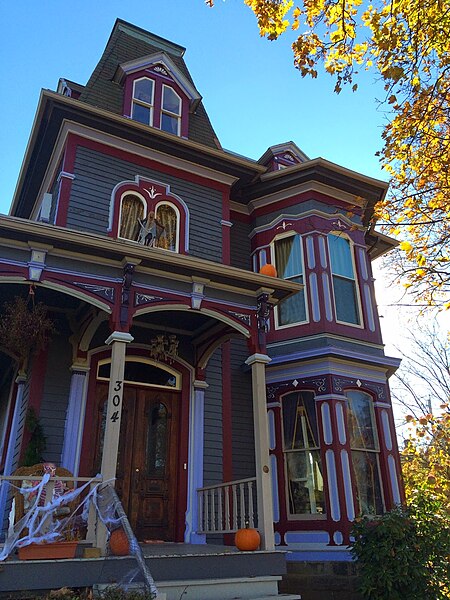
x=167 y=217
x=364 y=452
x=302 y=456
x=131 y=214
x=289 y=264
x=142 y=103
x=343 y=275
x=170 y=111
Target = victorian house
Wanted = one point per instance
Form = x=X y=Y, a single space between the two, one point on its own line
x=178 y=366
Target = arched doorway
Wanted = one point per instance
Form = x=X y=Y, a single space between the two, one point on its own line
x=148 y=458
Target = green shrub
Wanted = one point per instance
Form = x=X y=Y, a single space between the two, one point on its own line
x=404 y=553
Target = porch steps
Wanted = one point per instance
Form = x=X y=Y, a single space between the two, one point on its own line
x=240 y=588
x=185 y=571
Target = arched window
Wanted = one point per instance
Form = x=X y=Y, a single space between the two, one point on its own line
x=132 y=211
x=304 y=476
x=167 y=217
x=344 y=280
x=289 y=265
x=364 y=452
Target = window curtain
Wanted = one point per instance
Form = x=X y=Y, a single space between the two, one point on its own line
x=167 y=217
x=341 y=258
x=132 y=210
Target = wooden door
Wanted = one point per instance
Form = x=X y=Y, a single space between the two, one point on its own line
x=147 y=460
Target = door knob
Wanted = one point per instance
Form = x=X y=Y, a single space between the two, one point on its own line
x=137 y=470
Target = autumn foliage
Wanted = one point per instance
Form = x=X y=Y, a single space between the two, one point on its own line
x=407 y=44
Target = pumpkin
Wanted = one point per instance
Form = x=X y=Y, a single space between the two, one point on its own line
x=268 y=270
x=118 y=543
x=247 y=539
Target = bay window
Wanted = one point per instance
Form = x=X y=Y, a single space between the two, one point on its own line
x=289 y=265
x=364 y=452
x=344 y=280
x=304 y=478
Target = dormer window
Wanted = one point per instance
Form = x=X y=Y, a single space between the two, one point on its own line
x=170 y=110
x=157 y=93
x=143 y=100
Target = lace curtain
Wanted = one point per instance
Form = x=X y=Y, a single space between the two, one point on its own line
x=167 y=217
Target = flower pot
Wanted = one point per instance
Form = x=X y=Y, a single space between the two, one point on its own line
x=48 y=551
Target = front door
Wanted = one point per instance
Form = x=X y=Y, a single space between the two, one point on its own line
x=147 y=460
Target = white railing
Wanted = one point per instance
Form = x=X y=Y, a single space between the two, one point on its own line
x=48 y=494
x=227 y=507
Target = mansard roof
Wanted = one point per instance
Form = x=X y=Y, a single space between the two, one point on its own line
x=128 y=43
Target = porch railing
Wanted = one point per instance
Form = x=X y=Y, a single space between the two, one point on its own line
x=91 y=528
x=227 y=507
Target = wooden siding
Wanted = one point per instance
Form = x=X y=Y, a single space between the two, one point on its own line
x=56 y=395
x=213 y=447
x=97 y=174
x=240 y=245
x=242 y=413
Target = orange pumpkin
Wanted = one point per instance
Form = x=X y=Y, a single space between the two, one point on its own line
x=268 y=270
x=118 y=543
x=247 y=539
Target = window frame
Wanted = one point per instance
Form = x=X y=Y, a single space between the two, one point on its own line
x=122 y=197
x=135 y=100
x=301 y=516
x=376 y=450
x=164 y=111
x=279 y=237
x=178 y=216
x=358 y=307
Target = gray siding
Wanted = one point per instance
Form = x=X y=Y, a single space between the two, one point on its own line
x=240 y=245
x=242 y=413
x=213 y=446
x=56 y=395
x=97 y=174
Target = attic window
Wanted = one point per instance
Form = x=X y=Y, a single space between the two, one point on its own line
x=170 y=110
x=143 y=99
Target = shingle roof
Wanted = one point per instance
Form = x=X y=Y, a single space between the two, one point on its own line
x=126 y=43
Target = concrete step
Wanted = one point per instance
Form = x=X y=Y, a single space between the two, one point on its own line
x=237 y=588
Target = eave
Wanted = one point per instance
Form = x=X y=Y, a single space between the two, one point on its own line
x=93 y=248
x=54 y=109
x=379 y=244
x=322 y=171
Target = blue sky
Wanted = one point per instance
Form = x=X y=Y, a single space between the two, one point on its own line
x=254 y=96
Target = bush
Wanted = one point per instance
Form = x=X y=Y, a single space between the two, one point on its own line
x=404 y=553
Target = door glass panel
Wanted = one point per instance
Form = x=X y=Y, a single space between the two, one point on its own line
x=157 y=430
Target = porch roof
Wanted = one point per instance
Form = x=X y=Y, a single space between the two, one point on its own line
x=94 y=248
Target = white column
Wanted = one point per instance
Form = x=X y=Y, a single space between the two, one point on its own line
x=261 y=430
x=195 y=463
x=74 y=419
x=14 y=442
x=118 y=341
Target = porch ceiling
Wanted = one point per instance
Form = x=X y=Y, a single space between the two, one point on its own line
x=96 y=248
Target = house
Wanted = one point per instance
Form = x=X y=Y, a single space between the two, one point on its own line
x=179 y=367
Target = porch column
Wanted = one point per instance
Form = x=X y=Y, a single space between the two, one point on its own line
x=261 y=431
x=118 y=341
x=195 y=464
x=14 y=444
x=74 y=419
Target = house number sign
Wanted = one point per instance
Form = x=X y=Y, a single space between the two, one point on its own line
x=116 y=400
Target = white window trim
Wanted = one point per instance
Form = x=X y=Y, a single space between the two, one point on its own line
x=124 y=195
x=168 y=112
x=135 y=100
x=359 y=325
x=177 y=212
x=305 y=295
